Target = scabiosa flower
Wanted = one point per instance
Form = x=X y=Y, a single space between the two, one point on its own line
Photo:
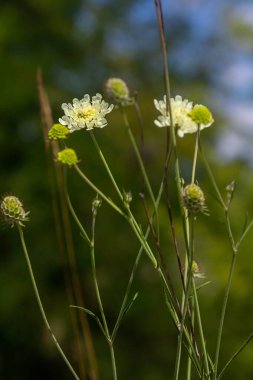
x=194 y=199
x=118 y=91
x=13 y=210
x=182 y=110
x=67 y=157
x=58 y=132
x=87 y=113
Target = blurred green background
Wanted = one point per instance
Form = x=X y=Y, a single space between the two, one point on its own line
x=78 y=45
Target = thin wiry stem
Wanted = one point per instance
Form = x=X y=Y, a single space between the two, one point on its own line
x=234 y=249
x=247 y=341
x=102 y=195
x=64 y=235
x=195 y=156
x=223 y=313
x=135 y=266
x=141 y=164
x=100 y=304
x=36 y=292
x=160 y=19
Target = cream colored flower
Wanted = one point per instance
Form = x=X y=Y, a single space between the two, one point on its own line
x=181 y=113
x=87 y=113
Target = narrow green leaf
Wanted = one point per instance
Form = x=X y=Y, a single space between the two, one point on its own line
x=246 y=342
x=93 y=315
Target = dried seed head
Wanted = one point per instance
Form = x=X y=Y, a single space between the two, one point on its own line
x=194 y=199
x=13 y=211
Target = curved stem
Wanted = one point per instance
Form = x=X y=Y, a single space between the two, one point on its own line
x=129 y=216
x=73 y=213
x=102 y=195
x=40 y=303
x=100 y=304
x=106 y=165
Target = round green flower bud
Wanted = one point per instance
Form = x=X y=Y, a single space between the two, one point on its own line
x=13 y=211
x=201 y=115
x=117 y=91
x=58 y=132
x=194 y=199
x=67 y=157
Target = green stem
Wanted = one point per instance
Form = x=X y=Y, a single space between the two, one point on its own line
x=102 y=195
x=185 y=297
x=234 y=248
x=189 y=361
x=73 y=213
x=202 y=339
x=187 y=274
x=247 y=341
x=195 y=297
x=195 y=156
x=106 y=166
x=141 y=164
x=130 y=216
x=223 y=313
x=211 y=177
x=100 y=304
x=40 y=303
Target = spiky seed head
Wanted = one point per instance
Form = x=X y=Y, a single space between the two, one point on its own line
x=67 y=157
x=117 y=91
x=194 y=199
x=13 y=210
x=58 y=132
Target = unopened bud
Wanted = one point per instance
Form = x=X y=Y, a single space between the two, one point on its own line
x=118 y=91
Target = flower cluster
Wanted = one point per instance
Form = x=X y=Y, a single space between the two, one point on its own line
x=87 y=113
x=186 y=117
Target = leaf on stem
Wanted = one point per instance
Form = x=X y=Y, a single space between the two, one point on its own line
x=246 y=342
x=128 y=307
x=93 y=315
x=245 y=223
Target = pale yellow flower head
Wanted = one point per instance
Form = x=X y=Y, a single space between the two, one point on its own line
x=184 y=115
x=87 y=113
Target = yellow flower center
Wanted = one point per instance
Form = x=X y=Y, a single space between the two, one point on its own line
x=86 y=114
